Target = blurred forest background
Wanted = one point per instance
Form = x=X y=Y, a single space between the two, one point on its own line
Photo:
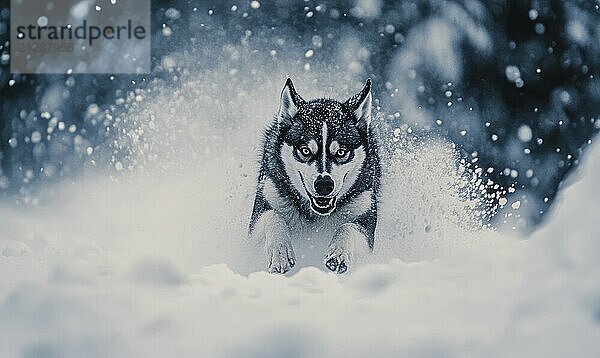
x=513 y=83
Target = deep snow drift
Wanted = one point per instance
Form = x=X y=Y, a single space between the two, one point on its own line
x=153 y=262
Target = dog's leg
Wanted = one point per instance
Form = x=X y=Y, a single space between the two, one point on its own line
x=349 y=239
x=271 y=228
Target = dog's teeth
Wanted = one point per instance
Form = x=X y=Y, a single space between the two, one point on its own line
x=328 y=204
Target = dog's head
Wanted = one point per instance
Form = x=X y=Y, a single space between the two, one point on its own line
x=324 y=144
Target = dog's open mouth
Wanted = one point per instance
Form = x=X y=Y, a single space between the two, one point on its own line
x=322 y=205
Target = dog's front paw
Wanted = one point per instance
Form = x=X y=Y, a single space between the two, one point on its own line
x=338 y=256
x=281 y=257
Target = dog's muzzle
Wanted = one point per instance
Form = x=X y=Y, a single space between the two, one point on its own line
x=324 y=203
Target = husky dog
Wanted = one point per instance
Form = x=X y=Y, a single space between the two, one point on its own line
x=319 y=167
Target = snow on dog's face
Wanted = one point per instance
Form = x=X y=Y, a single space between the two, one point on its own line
x=324 y=144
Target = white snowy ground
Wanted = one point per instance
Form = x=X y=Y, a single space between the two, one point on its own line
x=129 y=270
x=154 y=263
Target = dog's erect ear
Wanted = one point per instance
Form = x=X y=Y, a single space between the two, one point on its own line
x=290 y=102
x=360 y=104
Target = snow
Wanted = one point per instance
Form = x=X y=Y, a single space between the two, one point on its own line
x=80 y=10
x=512 y=73
x=524 y=133
x=42 y=21
x=367 y=9
x=154 y=263
x=172 y=13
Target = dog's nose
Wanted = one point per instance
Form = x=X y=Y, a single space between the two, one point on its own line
x=324 y=185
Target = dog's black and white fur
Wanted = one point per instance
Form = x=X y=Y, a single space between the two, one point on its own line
x=319 y=167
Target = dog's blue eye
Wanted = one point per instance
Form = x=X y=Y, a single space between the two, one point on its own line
x=305 y=151
x=341 y=152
